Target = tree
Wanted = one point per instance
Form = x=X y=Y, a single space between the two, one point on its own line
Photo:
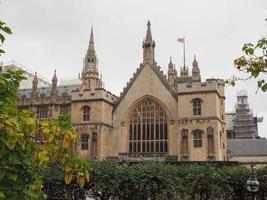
x=4 y=29
x=28 y=146
x=253 y=63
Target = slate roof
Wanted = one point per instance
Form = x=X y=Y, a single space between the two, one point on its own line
x=247 y=147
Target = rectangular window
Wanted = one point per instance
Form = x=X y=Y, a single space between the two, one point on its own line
x=197 y=139
x=64 y=110
x=84 y=142
x=42 y=112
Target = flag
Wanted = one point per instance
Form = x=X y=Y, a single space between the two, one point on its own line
x=180 y=40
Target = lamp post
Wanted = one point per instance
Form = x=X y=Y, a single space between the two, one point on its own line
x=253 y=184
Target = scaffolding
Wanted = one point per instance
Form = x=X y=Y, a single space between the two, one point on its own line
x=243 y=121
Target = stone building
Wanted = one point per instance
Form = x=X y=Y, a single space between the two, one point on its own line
x=155 y=117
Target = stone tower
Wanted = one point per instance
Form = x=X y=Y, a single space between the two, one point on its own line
x=90 y=75
x=148 y=47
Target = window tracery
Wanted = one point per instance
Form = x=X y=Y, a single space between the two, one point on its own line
x=148 y=128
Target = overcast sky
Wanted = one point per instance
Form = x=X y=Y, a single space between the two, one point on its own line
x=54 y=34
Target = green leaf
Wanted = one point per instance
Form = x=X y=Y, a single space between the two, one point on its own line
x=7 y=30
x=264 y=87
x=2 y=38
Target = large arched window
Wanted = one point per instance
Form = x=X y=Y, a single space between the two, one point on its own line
x=148 y=129
x=196 y=106
x=86 y=113
x=197 y=138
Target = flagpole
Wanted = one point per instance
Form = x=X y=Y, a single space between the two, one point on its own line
x=184 y=51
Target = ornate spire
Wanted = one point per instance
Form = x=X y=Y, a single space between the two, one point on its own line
x=54 y=79
x=148 y=46
x=90 y=76
x=172 y=73
x=54 y=84
x=91 y=41
x=195 y=71
x=148 y=33
x=34 y=85
x=171 y=64
x=195 y=63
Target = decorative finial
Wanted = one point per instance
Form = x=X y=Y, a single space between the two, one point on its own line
x=148 y=33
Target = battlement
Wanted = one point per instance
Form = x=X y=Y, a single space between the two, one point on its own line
x=208 y=85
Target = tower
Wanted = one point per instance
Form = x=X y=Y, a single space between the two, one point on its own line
x=195 y=71
x=90 y=75
x=34 y=85
x=148 y=46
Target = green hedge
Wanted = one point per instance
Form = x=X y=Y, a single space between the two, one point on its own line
x=157 y=180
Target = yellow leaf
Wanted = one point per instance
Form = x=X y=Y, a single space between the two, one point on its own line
x=2 y=195
x=87 y=176
x=68 y=168
x=51 y=137
x=66 y=140
x=68 y=178
x=11 y=142
x=30 y=121
x=80 y=181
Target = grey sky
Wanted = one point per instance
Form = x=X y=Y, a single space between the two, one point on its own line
x=54 y=34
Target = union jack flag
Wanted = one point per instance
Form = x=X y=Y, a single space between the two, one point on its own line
x=180 y=40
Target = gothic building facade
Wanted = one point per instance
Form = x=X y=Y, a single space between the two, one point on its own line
x=156 y=116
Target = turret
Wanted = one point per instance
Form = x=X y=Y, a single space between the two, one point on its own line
x=148 y=47
x=195 y=71
x=172 y=73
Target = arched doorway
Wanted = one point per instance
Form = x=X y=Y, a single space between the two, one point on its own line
x=148 y=128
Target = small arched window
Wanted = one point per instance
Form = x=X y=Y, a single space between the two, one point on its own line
x=196 y=106
x=184 y=149
x=86 y=113
x=197 y=137
x=84 y=142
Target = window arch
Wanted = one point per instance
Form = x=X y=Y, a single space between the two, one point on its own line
x=86 y=113
x=148 y=128
x=210 y=135
x=197 y=106
x=197 y=138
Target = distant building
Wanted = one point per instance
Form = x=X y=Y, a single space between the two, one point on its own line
x=25 y=84
x=241 y=124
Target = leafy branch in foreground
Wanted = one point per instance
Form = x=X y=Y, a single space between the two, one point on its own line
x=28 y=146
x=253 y=64
x=4 y=29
